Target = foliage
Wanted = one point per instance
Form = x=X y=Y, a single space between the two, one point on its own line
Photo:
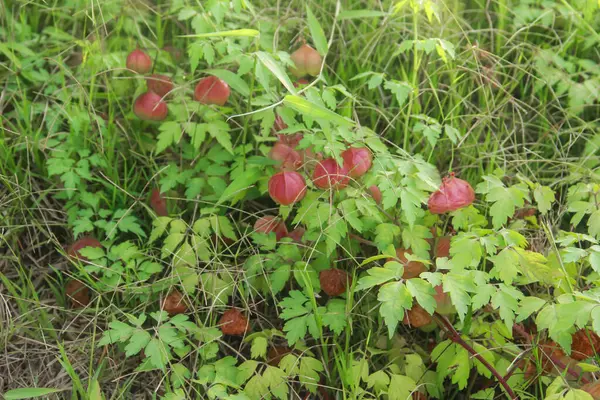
x=428 y=89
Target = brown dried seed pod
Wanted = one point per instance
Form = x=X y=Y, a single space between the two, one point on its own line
x=174 y=303
x=78 y=293
x=334 y=281
x=417 y=317
x=585 y=344
x=233 y=323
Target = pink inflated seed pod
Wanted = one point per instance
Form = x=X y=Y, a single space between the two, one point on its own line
x=357 y=160
x=307 y=60
x=454 y=193
x=139 y=62
x=212 y=90
x=150 y=107
x=329 y=174
x=287 y=187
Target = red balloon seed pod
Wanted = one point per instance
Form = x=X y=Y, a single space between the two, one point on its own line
x=150 y=107
x=287 y=187
x=233 y=323
x=289 y=158
x=159 y=84
x=357 y=160
x=87 y=241
x=139 y=62
x=375 y=193
x=297 y=234
x=212 y=90
x=329 y=174
x=454 y=193
x=334 y=281
x=307 y=60
x=270 y=223
x=158 y=203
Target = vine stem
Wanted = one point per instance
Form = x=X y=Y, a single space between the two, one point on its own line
x=455 y=337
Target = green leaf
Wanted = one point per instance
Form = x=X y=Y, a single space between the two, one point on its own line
x=360 y=14
x=505 y=199
x=118 y=332
x=452 y=133
x=335 y=316
x=219 y=130
x=315 y=111
x=506 y=265
x=462 y=368
x=400 y=89
x=139 y=339
x=130 y=223
x=401 y=387
x=385 y=235
x=233 y=80
x=171 y=243
x=379 y=381
x=544 y=197
x=458 y=285
x=232 y=33
x=309 y=373
x=594 y=224
x=28 y=393
x=241 y=183
x=528 y=306
x=268 y=61
x=179 y=374
x=316 y=31
x=279 y=278
x=275 y=378
x=259 y=347
x=394 y=298
x=376 y=276
x=170 y=133
x=506 y=299
x=423 y=293
x=156 y=352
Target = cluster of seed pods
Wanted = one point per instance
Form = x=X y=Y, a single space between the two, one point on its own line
x=151 y=105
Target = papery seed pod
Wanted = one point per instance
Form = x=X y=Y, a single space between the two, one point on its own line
x=233 y=323
x=212 y=90
x=334 y=281
x=149 y=106
x=174 y=303
x=159 y=84
x=139 y=62
x=307 y=61
x=287 y=187
x=329 y=174
x=453 y=194
x=357 y=161
x=412 y=269
x=270 y=223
